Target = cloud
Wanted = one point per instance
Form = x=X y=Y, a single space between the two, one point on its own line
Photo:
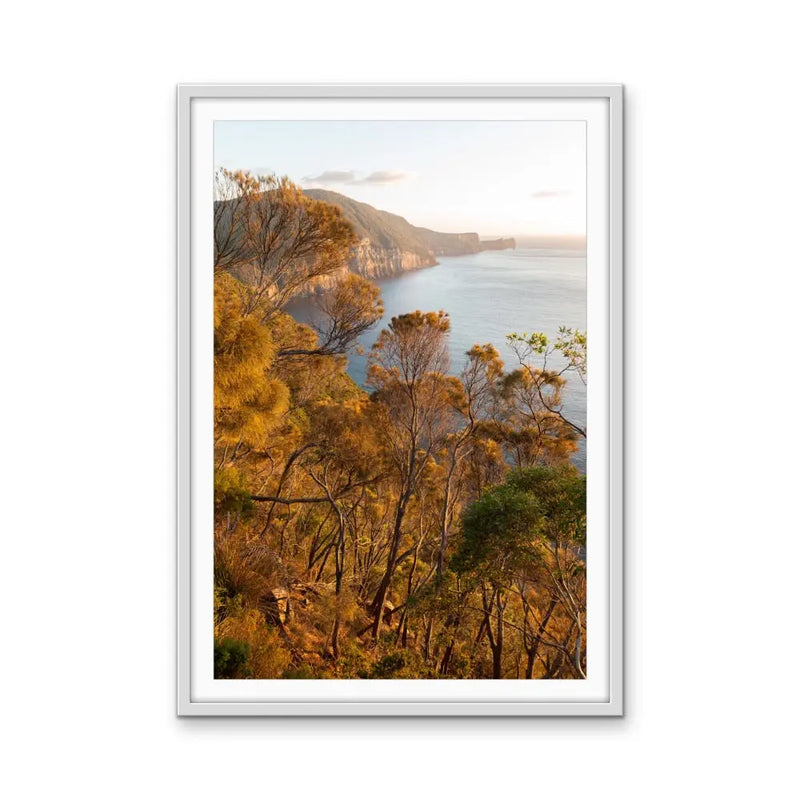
x=332 y=176
x=551 y=193
x=383 y=176
x=378 y=178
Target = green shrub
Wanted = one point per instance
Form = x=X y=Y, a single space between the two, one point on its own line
x=406 y=664
x=230 y=659
x=303 y=672
x=389 y=665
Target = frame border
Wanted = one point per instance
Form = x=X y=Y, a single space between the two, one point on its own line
x=186 y=93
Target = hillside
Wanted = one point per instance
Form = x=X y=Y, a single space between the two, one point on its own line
x=392 y=233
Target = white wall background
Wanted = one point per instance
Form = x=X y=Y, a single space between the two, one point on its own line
x=87 y=331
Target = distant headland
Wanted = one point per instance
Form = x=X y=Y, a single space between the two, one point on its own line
x=498 y=244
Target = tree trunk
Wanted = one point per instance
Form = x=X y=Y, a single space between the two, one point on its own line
x=335 y=637
x=445 y=516
x=529 y=663
x=495 y=637
x=534 y=649
x=428 y=632
x=402 y=626
x=497 y=650
x=497 y=662
x=339 y=561
x=380 y=597
x=448 y=654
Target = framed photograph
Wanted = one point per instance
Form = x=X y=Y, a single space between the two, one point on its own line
x=400 y=400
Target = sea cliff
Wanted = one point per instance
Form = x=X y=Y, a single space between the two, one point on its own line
x=389 y=245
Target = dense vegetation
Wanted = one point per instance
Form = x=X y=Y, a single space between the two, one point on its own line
x=431 y=526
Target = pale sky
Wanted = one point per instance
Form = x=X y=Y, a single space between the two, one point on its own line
x=494 y=178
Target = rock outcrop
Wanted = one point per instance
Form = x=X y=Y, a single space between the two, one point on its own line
x=374 y=261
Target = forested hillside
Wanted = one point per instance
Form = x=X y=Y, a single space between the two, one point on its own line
x=428 y=526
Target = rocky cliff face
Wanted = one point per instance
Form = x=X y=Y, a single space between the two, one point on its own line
x=374 y=261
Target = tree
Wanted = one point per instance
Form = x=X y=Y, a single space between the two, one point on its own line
x=476 y=396
x=543 y=385
x=341 y=462
x=274 y=238
x=348 y=310
x=499 y=533
x=561 y=497
x=233 y=194
x=408 y=372
x=248 y=400
x=530 y=529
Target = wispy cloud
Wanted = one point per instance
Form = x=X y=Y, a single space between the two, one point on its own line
x=378 y=178
x=383 y=176
x=549 y=193
x=332 y=176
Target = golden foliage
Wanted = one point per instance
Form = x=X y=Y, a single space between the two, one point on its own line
x=340 y=515
x=248 y=402
x=268 y=658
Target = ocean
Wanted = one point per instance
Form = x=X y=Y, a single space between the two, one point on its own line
x=487 y=296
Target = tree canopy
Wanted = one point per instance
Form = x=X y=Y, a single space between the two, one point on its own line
x=429 y=525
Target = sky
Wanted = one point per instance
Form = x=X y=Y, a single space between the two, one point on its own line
x=495 y=178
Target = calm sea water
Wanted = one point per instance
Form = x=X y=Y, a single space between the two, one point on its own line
x=487 y=296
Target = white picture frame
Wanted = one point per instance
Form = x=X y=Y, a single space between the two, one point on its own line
x=196 y=106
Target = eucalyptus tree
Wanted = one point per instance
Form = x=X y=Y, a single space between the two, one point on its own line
x=408 y=367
